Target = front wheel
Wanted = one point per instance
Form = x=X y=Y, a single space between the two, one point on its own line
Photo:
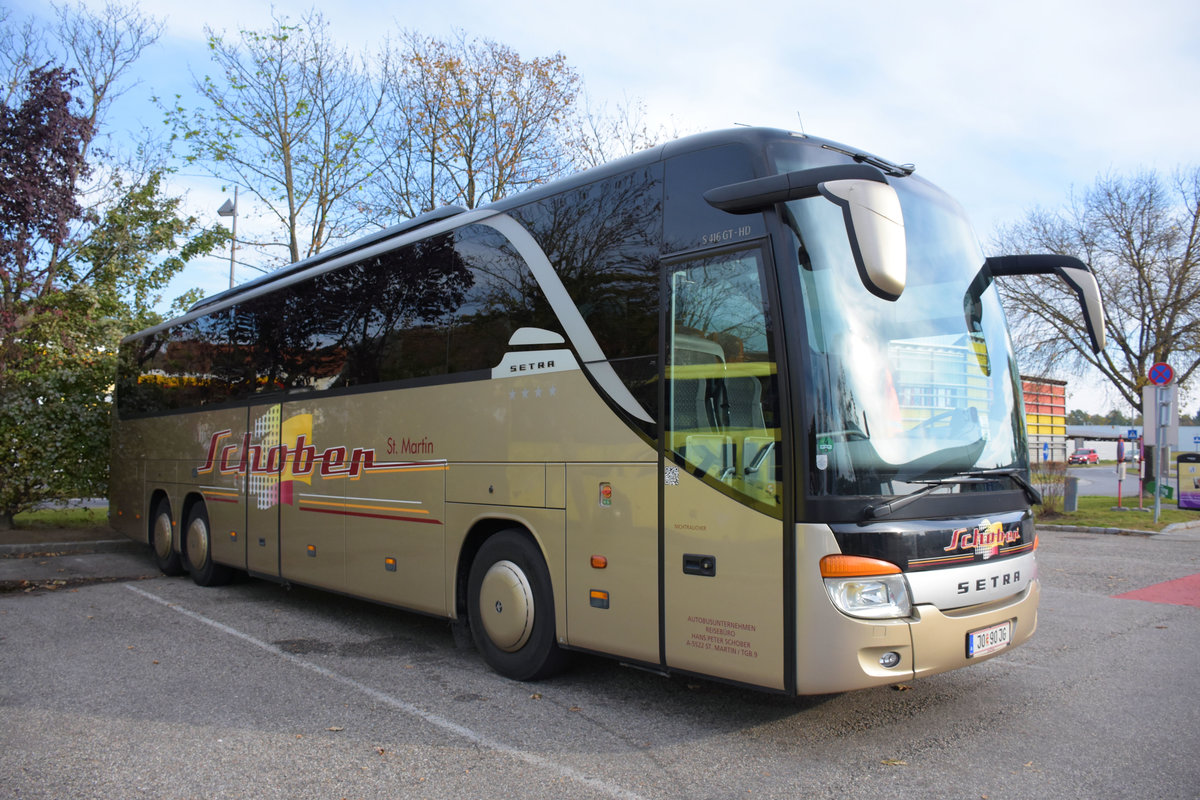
x=198 y=542
x=511 y=608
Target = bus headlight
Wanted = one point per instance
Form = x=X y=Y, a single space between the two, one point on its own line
x=867 y=588
x=881 y=597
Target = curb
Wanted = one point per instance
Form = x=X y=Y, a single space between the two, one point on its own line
x=1085 y=529
x=71 y=548
x=1175 y=527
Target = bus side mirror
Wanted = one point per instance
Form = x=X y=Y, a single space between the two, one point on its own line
x=870 y=209
x=1079 y=277
x=875 y=228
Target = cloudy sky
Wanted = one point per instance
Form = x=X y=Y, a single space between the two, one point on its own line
x=1005 y=105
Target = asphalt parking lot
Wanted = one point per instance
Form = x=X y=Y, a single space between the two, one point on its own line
x=115 y=682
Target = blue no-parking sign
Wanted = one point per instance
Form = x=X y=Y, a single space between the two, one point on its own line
x=1161 y=374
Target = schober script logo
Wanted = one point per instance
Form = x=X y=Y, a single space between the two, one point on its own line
x=985 y=539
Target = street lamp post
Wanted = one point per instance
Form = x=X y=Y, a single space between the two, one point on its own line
x=229 y=209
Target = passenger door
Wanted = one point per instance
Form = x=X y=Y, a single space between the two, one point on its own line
x=723 y=567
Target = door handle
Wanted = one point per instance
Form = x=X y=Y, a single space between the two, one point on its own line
x=694 y=564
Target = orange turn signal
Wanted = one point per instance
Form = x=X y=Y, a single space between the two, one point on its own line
x=599 y=562
x=840 y=566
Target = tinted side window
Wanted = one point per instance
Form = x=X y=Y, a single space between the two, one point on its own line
x=604 y=241
x=501 y=296
x=141 y=386
x=197 y=362
x=448 y=304
x=690 y=222
x=377 y=320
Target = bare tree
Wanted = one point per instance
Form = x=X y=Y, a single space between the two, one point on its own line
x=288 y=118
x=101 y=47
x=23 y=48
x=600 y=135
x=469 y=122
x=1141 y=236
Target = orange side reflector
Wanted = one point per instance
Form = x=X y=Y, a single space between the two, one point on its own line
x=599 y=562
x=840 y=566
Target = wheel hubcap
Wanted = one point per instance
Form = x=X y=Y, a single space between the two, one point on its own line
x=162 y=536
x=506 y=606
x=197 y=543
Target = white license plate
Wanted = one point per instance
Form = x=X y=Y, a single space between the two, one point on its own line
x=989 y=640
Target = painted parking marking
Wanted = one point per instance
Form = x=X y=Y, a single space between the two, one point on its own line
x=476 y=738
x=1179 y=592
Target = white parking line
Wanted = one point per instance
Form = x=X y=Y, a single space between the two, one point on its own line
x=474 y=737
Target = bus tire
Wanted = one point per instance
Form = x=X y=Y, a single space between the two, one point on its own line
x=198 y=550
x=162 y=539
x=511 y=608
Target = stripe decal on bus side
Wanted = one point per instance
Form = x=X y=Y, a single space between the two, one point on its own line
x=370 y=507
x=578 y=332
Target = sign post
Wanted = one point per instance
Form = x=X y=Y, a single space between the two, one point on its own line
x=1141 y=470
x=1161 y=407
x=1120 y=468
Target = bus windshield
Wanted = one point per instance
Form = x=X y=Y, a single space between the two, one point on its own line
x=919 y=389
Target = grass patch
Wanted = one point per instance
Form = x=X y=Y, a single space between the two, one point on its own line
x=62 y=518
x=1096 y=512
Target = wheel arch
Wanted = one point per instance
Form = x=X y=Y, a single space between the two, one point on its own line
x=480 y=532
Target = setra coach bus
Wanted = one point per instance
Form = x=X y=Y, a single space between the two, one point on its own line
x=743 y=406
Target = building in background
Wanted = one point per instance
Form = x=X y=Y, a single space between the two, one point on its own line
x=1045 y=418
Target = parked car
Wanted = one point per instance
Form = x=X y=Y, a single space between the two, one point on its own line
x=1083 y=457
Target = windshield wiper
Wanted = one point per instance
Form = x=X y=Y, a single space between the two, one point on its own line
x=1031 y=493
x=885 y=509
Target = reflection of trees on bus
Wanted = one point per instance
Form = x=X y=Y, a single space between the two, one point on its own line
x=604 y=240
x=372 y=321
x=441 y=305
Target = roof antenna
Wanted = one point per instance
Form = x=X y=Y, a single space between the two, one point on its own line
x=801 y=119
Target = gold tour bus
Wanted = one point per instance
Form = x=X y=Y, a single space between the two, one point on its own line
x=743 y=405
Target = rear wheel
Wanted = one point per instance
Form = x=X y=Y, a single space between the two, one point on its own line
x=198 y=541
x=162 y=540
x=511 y=608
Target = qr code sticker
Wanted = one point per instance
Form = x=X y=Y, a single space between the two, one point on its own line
x=671 y=475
